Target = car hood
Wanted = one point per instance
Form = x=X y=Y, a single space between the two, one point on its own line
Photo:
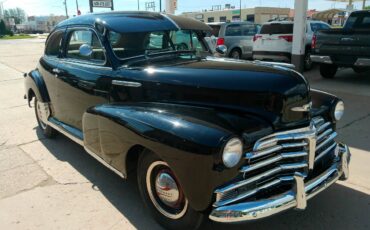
x=265 y=90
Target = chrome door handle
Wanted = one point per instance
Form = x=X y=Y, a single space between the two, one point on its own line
x=57 y=71
x=347 y=39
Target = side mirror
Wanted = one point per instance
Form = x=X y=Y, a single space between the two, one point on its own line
x=85 y=50
x=221 y=49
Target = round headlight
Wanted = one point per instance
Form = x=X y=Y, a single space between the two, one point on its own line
x=232 y=152
x=339 y=110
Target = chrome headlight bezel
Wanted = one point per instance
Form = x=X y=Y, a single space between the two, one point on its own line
x=232 y=152
x=338 y=110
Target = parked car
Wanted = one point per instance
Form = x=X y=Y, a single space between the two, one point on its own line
x=346 y=47
x=209 y=137
x=236 y=36
x=274 y=42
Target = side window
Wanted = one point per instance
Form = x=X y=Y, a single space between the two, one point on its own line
x=248 y=30
x=233 y=30
x=54 y=43
x=81 y=37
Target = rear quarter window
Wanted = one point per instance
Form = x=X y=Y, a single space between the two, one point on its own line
x=278 y=28
x=54 y=43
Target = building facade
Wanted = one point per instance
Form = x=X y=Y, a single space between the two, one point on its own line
x=41 y=24
x=257 y=15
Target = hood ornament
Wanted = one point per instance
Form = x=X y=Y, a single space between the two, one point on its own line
x=303 y=108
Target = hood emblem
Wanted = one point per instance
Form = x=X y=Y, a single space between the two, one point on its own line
x=303 y=108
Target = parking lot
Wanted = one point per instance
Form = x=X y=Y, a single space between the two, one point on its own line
x=54 y=184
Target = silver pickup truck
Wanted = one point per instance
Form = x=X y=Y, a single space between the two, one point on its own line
x=346 y=47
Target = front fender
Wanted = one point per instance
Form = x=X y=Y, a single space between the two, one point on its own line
x=190 y=139
x=35 y=82
x=323 y=104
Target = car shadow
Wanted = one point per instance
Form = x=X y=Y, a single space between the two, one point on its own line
x=338 y=207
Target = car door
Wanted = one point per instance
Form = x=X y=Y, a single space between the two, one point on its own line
x=49 y=63
x=233 y=36
x=83 y=80
x=248 y=32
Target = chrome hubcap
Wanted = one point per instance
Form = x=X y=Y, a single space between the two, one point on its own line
x=164 y=191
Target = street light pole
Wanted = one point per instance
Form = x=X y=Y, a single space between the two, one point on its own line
x=65 y=5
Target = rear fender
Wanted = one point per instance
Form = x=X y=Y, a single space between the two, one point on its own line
x=189 y=139
x=35 y=83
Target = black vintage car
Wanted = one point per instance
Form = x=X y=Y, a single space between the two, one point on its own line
x=227 y=139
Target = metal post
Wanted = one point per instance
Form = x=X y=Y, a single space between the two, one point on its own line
x=65 y=5
x=299 y=34
x=160 y=5
x=138 y=5
x=112 y=8
x=240 y=11
x=91 y=6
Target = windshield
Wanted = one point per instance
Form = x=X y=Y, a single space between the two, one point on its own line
x=185 y=43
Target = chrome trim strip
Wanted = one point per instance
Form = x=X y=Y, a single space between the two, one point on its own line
x=91 y=153
x=321 y=59
x=262 y=175
x=363 y=62
x=323 y=153
x=253 y=155
x=328 y=139
x=293 y=198
x=126 y=83
x=272 y=160
x=251 y=192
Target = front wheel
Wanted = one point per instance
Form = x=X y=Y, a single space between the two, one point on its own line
x=328 y=70
x=163 y=195
x=46 y=129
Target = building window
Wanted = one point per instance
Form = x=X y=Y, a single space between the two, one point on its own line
x=223 y=19
x=236 y=18
x=250 y=18
x=211 y=19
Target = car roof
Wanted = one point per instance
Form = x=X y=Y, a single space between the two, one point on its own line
x=291 y=22
x=136 y=21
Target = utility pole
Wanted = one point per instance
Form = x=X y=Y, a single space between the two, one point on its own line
x=160 y=5
x=364 y=4
x=65 y=5
x=138 y=5
x=91 y=6
x=240 y=11
x=78 y=10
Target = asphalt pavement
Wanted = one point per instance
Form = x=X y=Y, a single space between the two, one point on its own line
x=54 y=184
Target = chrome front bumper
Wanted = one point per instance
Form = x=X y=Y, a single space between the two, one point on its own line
x=321 y=59
x=295 y=198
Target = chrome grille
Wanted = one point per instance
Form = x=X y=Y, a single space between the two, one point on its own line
x=275 y=158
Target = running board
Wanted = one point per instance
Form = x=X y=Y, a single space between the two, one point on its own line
x=74 y=134
x=77 y=136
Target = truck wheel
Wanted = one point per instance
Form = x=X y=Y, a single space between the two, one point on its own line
x=236 y=54
x=328 y=70
x=163 y=196
x=47 y=130
x=307 y=60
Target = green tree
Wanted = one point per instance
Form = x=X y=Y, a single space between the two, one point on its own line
x=2 y=27
x=367 y=8
x=18 y=14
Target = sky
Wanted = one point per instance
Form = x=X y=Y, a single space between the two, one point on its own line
x=56 y=7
